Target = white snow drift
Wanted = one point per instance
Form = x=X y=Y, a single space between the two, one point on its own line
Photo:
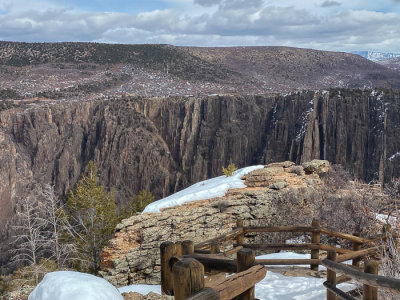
x=207 y=189
x=67 y=285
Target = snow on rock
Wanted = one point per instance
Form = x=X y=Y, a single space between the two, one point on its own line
x=386 y=219
x=67 y=285
x=394 y=156
x=207 y=189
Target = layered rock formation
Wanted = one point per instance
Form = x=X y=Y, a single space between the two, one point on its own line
x=133 y=254
x=165 y=144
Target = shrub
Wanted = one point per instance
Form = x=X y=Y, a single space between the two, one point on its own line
x=137 y=204
x=228 y=171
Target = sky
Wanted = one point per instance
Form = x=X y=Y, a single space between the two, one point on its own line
x=336 y=25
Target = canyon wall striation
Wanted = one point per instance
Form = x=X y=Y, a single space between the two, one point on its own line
x=165 y=144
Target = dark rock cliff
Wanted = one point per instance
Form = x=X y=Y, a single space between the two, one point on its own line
x=165 y=144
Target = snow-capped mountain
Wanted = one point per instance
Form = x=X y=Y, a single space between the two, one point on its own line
x=377 y=56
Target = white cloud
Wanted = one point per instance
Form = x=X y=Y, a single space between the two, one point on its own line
x=234 y=22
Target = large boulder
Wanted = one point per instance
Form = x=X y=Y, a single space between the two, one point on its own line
x=316 y=166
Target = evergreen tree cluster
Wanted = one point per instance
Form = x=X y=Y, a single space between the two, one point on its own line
x=52 y=235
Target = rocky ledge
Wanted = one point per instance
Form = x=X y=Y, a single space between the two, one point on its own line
x=132 y=256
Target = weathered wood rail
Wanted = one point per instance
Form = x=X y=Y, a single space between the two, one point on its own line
x=369 y=278
x=206 y=258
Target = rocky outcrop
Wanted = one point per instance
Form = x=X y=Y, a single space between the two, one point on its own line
x=165 y=144
x=133 y=254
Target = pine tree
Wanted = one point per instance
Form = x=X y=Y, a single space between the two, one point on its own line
x=228 y=171
x=91 y=211
x=138 y=204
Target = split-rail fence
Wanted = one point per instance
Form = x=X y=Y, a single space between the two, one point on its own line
x=184 y=265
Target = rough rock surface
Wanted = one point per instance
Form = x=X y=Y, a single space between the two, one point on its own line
x=149 y=296
x=165 y=144
x=133 y=254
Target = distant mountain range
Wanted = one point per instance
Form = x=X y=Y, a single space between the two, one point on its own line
x=377 y=56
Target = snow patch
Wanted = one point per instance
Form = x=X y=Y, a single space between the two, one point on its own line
x=304 y=121
x=274 y=286
x=207 y=189
x=394 y=156
x=67 y=285
x=386 y=219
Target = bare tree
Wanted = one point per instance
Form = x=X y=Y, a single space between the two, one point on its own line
x=29 y=240
x=56 y=226
x=39 y=231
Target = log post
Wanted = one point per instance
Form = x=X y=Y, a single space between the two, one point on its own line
x=214 y=250
x=370 y=292
x=331 y=276
x=187 y=247
x=356 y=247
x=178 y=248
x=167 y=251
x=188 y=275
x=315 y=238
x=240 y=237
x=245 y=260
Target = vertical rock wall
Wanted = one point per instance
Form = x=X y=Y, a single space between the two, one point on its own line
x=165 y=144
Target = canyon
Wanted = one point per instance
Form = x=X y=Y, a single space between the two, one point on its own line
x=163 y=144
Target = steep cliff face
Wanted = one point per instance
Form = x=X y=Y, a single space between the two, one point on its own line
x=165 y=144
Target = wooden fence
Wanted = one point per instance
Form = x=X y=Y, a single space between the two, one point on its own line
x=184 y=265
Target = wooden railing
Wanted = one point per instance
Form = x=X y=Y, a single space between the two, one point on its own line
x=183 y=270
x=369 y=278
x=215 y=260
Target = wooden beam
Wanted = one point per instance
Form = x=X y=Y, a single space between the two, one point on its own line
x=338 y=292
x=356 y=254
x=345 y=236
x=188 y=278
x=370 y=292
x=215 y=262
x=240 y=237
x=230 y=235
x=282 y=246
x=342 y=279
x=245 y=260
x=315 y=239
x=233 y=285
x=167 y=251
x=232 y=251
x=356 y=247
x=391 y=285
x=287 y=262
x=200 y=251
x=280 y=229
x=331 y=277
x=207 y=293
x=187 y=247
x=213 y=280
x=336 y=249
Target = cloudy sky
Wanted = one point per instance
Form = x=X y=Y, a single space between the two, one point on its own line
x=338 y=25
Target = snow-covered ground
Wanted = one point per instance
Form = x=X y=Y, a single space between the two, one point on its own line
x=275 y=285
x=207 y=189
x=67 y=285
